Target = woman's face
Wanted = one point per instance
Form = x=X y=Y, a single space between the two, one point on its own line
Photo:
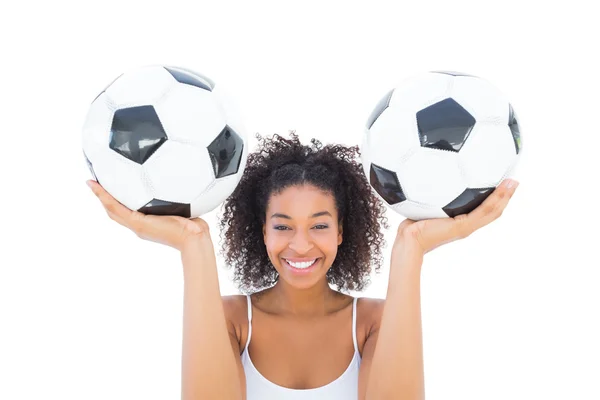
x=301 y=234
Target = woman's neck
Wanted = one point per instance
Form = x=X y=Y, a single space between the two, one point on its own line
x=313 y=302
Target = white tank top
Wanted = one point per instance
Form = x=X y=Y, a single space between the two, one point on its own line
x=345 y=387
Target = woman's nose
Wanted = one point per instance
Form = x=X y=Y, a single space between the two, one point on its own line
x=301 y=243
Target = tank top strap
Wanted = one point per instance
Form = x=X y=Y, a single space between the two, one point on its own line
x=354 y=324
x=249 y=322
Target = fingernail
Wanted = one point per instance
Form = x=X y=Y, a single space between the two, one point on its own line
x=510 y=183
x=89 y=183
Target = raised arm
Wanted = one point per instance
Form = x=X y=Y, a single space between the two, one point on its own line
x=210 y=366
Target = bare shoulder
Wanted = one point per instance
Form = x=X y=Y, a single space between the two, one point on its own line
x=370 y=310
x=370 y=303
x=234 y=302
x=235 y=309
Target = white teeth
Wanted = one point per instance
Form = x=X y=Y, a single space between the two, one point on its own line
x=301 y=265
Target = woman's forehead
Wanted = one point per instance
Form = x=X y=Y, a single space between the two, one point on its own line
x=304 y=200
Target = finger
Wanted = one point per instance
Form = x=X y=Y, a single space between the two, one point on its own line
x=115 y=210
x=492 y=207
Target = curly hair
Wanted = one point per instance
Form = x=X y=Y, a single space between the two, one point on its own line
x=278 y=164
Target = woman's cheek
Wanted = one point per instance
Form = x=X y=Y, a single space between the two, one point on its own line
x=276 y=239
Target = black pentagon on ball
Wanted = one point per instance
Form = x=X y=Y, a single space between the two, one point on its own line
x=379 y=108
x=226 y=152
x=513 y=124
x=385 y=182
x=467 y=201
x=188 y=77
x=445 y=125
x=161 y=207
x=136 y=133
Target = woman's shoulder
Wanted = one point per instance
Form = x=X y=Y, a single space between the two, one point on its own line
x=234 y=306
x=235 y=310
x=369 y=310
x=370 y=301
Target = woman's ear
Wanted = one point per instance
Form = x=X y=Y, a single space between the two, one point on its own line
x=340 y=233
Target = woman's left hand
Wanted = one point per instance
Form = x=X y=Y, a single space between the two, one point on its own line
x=428 y=234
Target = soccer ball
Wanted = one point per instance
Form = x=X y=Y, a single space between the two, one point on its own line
x=165 y=141
x=439 y=143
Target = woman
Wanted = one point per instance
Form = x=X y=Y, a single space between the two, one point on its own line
x=301 y=219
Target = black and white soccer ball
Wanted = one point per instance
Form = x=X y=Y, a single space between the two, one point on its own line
x=439 y=143
x=165 y=141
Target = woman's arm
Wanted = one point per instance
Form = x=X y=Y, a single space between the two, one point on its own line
x=209 y=369
x=397 y=366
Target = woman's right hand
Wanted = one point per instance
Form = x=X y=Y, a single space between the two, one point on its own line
x=169 y=230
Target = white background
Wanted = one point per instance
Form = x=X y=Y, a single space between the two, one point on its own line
x=90 y=311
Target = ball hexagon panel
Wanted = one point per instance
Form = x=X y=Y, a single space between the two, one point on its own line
x=421 y=91
x=431 y=177
x=481 y=99
x=467 y=201
x=385 y=183
x=226 y=152
x=444 y=125
x=416 y=211
x=136 y=133
x=188 y=78
x=190 y=115
x=132 y=88
x=487 y=155
x=96 y=129
x=213 y=193
x=404 y=140
x=119 y=175
x=178 y=172
x=230 y=108
x=514 y=171
x=161 y=207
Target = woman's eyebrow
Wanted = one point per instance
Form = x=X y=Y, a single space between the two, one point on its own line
x=320 y=213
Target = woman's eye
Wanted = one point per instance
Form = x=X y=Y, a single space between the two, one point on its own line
x=285 y=228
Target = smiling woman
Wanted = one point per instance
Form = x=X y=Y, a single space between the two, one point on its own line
x=301 y=196
x=302 y=219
